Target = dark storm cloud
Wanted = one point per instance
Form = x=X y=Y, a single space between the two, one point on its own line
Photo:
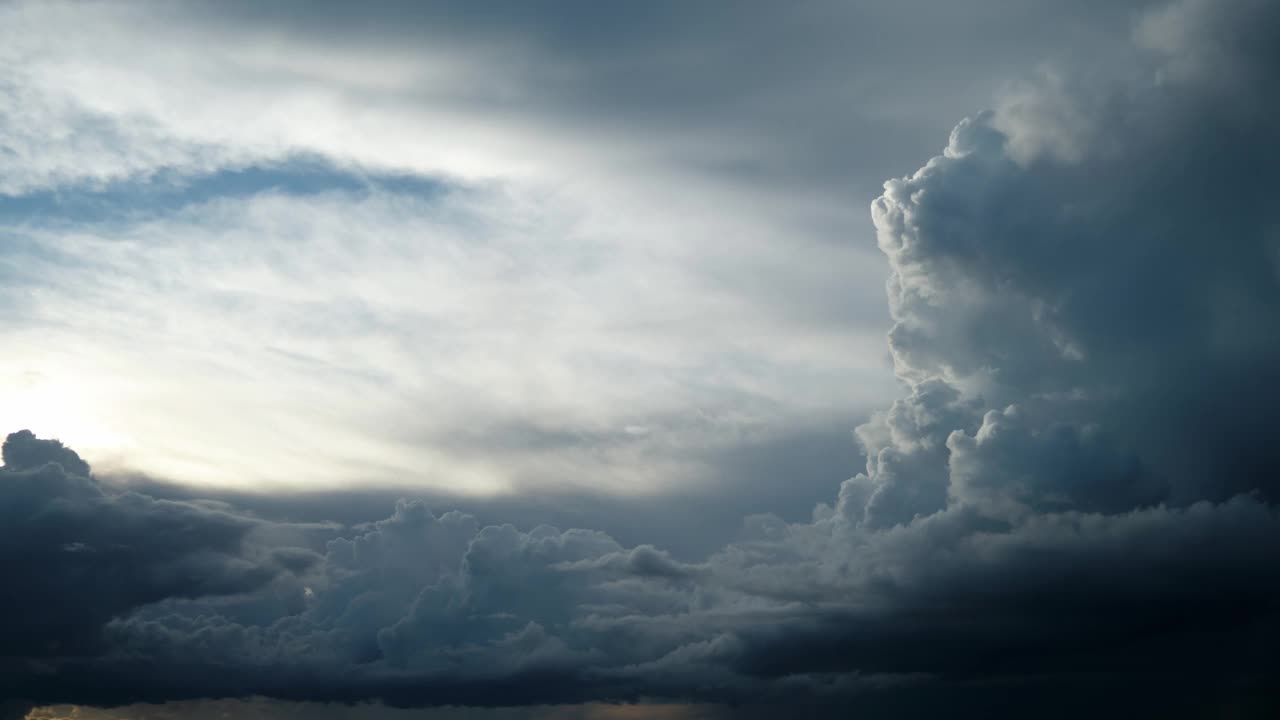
x=1115 y=270
x=261 y=709
x=1072 y=509
x=24 y=451
x=75 y=556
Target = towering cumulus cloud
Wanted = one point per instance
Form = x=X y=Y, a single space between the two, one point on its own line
x=1071 y=509
x=1099 y=273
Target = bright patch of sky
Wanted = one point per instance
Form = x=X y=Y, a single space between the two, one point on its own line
x=456 y=255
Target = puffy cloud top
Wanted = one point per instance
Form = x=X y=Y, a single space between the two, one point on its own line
x=75 y=555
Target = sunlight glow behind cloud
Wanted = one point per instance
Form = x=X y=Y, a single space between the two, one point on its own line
x=553 y=286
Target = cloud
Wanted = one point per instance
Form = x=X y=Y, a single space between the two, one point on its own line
x=24 y=451
x=74 y=556
x=1139 y=305
x=594 y=150
x=491 y=236
x=515 y=227
x=545 y=333
x=261 y=709
x=1072 y=508
x=659 y=89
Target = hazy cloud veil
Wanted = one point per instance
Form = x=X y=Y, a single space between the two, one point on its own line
x=1072 y=503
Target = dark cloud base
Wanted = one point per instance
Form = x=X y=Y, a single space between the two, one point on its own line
x=1071 y=510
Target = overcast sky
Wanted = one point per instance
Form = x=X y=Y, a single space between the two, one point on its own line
x=481 y=247
x=518 y=360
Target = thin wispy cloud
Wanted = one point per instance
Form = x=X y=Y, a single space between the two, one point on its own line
x=518 y=285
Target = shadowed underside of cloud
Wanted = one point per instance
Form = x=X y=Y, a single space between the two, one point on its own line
x=1074 y=504
x=262 y=709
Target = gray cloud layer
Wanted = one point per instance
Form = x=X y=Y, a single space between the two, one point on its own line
x=76 y=556
x=1074 y=503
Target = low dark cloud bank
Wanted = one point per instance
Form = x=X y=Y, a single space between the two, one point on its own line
x=1072 y=509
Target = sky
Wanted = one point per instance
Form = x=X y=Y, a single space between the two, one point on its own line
x=663 y=360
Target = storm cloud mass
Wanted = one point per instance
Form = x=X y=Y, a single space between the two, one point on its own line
x=1071 y=508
